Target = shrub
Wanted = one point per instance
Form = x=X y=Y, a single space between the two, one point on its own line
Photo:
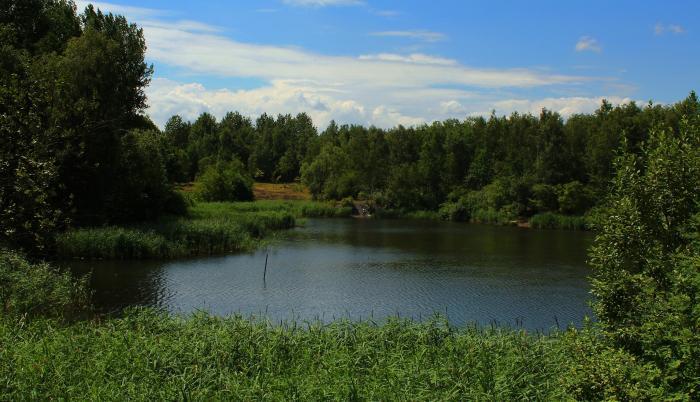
x=454 y=211
x=544 y=198
x=38 y=290
x=143 y=191
x=225 y=181
x=574 y=198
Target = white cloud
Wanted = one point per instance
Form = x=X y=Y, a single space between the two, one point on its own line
x=325 y=104
x=452 y=108
x=422 y=35
x=382 y=89
x=205 y=53
x=133 y=12
x=660 y=29
x=323 y=3
x=565 y=106
x=281 y=96
x=586 y=43
x=417 y=58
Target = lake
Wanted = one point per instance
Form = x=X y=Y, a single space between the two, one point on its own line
x=372 y=269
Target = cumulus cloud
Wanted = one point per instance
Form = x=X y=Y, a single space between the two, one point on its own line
x=324 y=104
x=382 y=89
x=586 y=43
x=281 y=96
x=660 y=29
x=565 y=106
x=422 y=35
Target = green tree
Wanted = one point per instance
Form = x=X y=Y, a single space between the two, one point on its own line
x=646 y=258
x=225 y=181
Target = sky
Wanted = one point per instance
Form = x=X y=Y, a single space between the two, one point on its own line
x=384 y=63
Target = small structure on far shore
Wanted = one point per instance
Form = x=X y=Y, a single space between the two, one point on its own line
x=360 y=210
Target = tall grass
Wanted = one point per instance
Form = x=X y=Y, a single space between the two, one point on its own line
x=29 y=290
x=152 y=356
x=210 y=228
x=491 y=216
x=549 y=220
x=299 y=209
x=113 y=243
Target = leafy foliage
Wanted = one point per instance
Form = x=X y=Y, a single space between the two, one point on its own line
x=646 y=258
x=225 y=182
x=71 y=91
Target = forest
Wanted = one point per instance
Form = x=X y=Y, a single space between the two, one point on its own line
x=505 y=167
x=78 y=151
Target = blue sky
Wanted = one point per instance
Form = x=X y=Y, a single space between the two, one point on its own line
x=410 y=62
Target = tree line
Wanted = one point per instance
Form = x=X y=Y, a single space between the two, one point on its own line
x=515 y=166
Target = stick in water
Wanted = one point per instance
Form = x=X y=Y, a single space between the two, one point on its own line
x=265 y=271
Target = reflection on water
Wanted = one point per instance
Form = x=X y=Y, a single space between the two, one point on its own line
x=372 y=269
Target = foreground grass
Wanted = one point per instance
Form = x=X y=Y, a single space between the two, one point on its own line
x=210 y=228
x=147 y=356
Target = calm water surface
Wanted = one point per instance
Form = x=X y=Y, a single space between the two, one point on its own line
x=372 y=269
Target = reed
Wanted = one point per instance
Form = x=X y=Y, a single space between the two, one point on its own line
x=149 y=355
x=549 y=220
x=210 y=228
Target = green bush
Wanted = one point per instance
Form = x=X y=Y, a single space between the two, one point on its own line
x=597 y=371
x=544 y=198
x=646 y=258
x=143 y=191
x=38 y=290
x=225 y=181
x=454 y=211
x=574 y=198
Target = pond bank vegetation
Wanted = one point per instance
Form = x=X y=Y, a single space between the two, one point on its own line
x=207 y=229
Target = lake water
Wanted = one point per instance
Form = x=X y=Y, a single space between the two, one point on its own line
x=372 y=269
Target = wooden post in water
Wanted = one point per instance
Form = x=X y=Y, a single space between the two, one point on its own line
x=265 y=271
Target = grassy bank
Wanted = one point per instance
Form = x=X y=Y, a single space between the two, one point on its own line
x=209 y=228
x=147 y=355
x=546 y=220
